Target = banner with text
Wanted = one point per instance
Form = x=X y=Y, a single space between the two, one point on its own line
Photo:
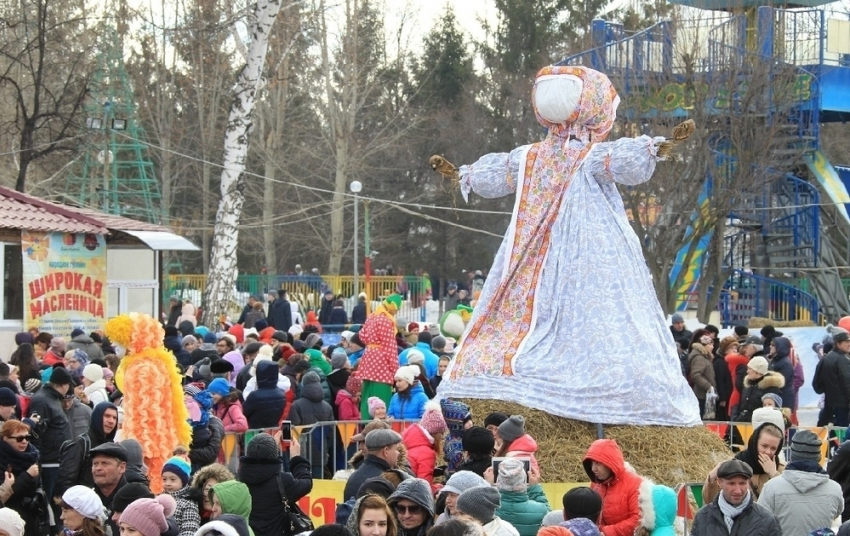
x=64 y=281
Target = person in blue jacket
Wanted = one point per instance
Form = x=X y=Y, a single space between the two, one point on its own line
x=408 y=402
x=780 y=361
x=423 y=345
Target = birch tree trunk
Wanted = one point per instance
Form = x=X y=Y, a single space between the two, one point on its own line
x=221 y=280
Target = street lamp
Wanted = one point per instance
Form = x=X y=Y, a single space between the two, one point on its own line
x=355 y=188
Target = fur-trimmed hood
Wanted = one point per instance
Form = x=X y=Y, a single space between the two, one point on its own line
x=769 y=380
x=658 y=505
x=215 y=470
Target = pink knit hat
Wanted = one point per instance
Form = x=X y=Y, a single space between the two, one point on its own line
x=146 y=516
x=374 y=403
x=433 y=420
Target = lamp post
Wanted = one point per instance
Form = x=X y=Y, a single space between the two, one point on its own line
x=355 y=188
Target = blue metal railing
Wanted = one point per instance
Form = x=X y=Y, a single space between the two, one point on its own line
x=747 y=294
x=804 y=222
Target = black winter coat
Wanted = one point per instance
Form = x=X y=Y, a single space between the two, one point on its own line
x=839 y=471
x=182 y=355
x=264 y=407
x=832 y=379
x=337 y=318
x=280 y=315
x=771 y=382
x=358 y=313
x=325 y=311
x=24 y=486
x=205 y=451
x=723 y=379
x=54 y=428
x=371 y=467
x=755 y=520
x=261 y=476
x=75 y=466
x=781 y=363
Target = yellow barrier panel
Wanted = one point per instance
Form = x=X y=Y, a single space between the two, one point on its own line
x=346 y=430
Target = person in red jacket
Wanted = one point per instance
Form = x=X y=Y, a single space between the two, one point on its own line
x=737 y=364
x=618 y=486
x=379 y=363
x=424 y=442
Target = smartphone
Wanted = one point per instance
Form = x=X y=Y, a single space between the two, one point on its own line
x=526 y=464
x=286 y=432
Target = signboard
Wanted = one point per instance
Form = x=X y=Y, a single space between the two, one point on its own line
x=64 y=281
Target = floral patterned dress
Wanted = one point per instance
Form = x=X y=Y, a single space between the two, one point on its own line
x=568 y=321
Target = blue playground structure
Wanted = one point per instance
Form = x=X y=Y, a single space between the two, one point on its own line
x=788 y=245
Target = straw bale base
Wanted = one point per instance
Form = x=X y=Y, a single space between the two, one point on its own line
x=667 y=455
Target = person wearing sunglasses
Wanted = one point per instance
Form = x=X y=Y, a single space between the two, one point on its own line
x=19 y=464
x=413 y=506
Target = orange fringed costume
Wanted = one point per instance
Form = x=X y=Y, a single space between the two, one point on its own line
x=154 y=412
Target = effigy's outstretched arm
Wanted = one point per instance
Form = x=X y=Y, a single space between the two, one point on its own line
x=493 y=175
x=629 y=161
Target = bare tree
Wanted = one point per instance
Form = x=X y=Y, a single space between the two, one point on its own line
x=44 y=70
x=223 y=268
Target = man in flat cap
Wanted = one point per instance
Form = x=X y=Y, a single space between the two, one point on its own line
x=108 y=465
x=381 y=455
x=734 y=511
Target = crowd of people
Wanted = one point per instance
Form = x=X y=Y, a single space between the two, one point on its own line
x=69 y=470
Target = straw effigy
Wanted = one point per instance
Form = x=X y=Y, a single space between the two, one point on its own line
x=667 y=455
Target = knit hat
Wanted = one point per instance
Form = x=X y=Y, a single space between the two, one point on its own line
x=210 y=338
x=261 y=324
x=805 y=445
x=84 y=501
x=339 y=358
x=266 y=351
x=552 y=519
x=438 y=342
x=79 y=355
x=219 y=386
x=262 y=446
x=171 y=331
x=374 y=403
x=107 y=373
x=32 y=385
x=295 y=330
x=415 y=356
x=777 y=400
x=378 y=439
x=676 y=318
x=480 y=503
x=60 y=376
x=178 y=467
x=512 y=475
x=93 y=372
x=512 y=429
x=354 y=385
x=187 y=339
x=221 y=366
x=312 y=340
x=582 y=502
x=76 y=332
x=411 y=326
x=129 y=494
x=494 y=419
x=373 y=425
x=280 y=336
x=58 y=344
x=407 y=373
x=758 y=364
x=252 y=348
x=768 y=415
x=462 y=481
x=478 y=440
x=11 y=522
x=7 y=397
x=726 y=343
x=432 y=420
x=135 y=456
x=147 y=516
x=301 y=366
x=192 y=389
x=581 y=526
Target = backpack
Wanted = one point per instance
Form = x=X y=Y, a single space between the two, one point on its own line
x=63 y=450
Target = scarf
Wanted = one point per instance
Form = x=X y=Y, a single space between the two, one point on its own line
x=731 y=512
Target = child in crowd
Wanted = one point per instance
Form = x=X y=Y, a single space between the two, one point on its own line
x=377 y=408
x=771 y=400
x=175 y=482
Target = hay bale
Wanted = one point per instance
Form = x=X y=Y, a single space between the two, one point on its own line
x=667 y=455
x=760 y=322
